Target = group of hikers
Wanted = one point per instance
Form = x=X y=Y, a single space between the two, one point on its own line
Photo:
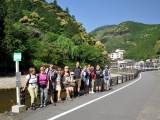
x=49 y=80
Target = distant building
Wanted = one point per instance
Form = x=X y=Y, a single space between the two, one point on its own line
x=118 y=53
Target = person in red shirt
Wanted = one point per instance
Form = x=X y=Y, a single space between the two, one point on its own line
x=92 y=80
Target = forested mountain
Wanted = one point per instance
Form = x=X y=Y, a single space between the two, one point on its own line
x=43 y=32
x=140 y=41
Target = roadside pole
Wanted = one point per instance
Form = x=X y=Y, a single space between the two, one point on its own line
x=18 y=108
x=17 y=86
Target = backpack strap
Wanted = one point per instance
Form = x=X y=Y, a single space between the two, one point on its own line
x=48 y=70
x=38 y=78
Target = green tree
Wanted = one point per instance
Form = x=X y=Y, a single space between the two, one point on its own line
x=26 y=5
x=73 y=17
x=67 y=10
x=55 y=2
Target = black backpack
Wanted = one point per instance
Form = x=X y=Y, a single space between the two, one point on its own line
x=29 y=79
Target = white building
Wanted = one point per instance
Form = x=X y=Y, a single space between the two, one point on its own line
x=118 y=53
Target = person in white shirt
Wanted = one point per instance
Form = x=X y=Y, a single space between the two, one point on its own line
x=31 y=82
x=107 y=77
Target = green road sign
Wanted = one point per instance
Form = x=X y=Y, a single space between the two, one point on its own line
x=17 y=56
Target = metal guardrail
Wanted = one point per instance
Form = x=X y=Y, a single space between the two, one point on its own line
x=113 y=81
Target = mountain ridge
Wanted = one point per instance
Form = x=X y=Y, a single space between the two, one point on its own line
x=130 y=35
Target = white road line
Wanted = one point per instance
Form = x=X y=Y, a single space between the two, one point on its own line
x=64 y=113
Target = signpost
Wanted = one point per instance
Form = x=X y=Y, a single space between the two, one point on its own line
x=17 y=58
x=18 y=108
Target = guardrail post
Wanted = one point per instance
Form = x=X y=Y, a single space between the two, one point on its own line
x=110 y=82
x=122 y=78
x=55 y=95
x=126 y=78
x=117 y=79
x=22 y=97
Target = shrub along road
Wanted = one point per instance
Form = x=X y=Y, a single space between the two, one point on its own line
x=136 y=99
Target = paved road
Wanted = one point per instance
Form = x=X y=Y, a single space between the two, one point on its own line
x=128 y=101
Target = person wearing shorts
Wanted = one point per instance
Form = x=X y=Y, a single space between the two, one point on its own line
x=72 y=80
x=58 y=85
x=77 y=76
x=92 y=80
x=66 y=80
x=107 y=77
x=51 y=72
x=98 y=80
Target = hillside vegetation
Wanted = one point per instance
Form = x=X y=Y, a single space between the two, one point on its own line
x=140 y=41
x=43 y=32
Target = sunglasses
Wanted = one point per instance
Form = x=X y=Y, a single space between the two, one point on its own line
x=66 y=68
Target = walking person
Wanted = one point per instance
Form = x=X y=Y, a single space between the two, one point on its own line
x=43 y=84
x=107 y=77
x=78 y=76
x=66 y=80
x=59 y=84
x=92 y=80
x=31 y=83
x=52 y=74
x=88 y=72
x=98 y=80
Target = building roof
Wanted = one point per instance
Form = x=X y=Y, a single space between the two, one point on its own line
x=114 y=51
x=120 y=48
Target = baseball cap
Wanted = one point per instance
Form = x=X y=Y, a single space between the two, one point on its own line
x=106 y=66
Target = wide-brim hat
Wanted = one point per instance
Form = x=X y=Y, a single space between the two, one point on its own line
x=106 y=66
x=52 y=62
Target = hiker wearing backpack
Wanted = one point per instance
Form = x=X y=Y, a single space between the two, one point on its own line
x=52 y=74
x=78 y=77
x=107 y=77
x=31 y=83
x=43 y=84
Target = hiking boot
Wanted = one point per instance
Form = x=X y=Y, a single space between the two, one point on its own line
x=53 y=103
x=70 y=99
x=60 y=101
x=41 y=106
x=79 y=95
x=34 y=108
x=92 y=92
x=44 y=105
x=66 y=98
x=73 y=97
x=31 y=107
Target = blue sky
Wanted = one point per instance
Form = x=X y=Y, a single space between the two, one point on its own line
x=96 y=13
